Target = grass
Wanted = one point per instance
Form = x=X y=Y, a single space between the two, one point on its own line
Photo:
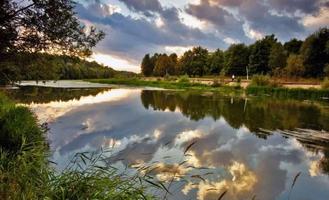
x=182 y=83
x=325 y=84
x=26 y=173
x=292 y=93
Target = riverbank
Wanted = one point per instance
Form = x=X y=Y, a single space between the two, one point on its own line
x=227 y=88
x=26 y=173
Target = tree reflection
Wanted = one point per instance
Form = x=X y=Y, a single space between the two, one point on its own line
x=28 y=94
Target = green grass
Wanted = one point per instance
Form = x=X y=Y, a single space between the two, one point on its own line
x=293 y=93
x=260 y=86
x=184 y=85
x=26 y=173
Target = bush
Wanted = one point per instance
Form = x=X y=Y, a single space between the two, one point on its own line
x=325 y=84
x=261 y=80
x=216 y=83
x=184 y=79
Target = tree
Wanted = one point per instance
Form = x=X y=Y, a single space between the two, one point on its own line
x=147 y=66
x=277 y=58
x=216 y=62
x=236 y=59
x=44 y=25
x=194 y=63
x=293 y=46
x=295 y=66
x=164 y=65
x=259 y=57
x=314 y=52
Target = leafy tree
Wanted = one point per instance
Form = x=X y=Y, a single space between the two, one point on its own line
x=315 y=52
x=277 y=58
x=260 y=53
x=45 y=25
x=42 y=26
x=293 y=46
x=216 y=62
x=295 y=66
x=164 y=65
x=147 y=65
x=194 y=63
x=236 y=59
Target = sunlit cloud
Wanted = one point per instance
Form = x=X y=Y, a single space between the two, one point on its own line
x=115 y=62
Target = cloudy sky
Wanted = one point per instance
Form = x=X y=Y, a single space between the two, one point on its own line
x=136 y=27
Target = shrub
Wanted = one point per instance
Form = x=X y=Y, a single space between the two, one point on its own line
x=184 y=79
x=216 y=83
x=325 y=84
x=261 y=80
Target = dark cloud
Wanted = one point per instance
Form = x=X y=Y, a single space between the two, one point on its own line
x=131 y=38
x=224 y=21
x=291 y=6
x=147 y=7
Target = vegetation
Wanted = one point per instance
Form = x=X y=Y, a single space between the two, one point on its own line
x=325 y=84
x=293 y=93
x=25 y=172
x=43 y=39
x=261 y=80
x=295 y=58
x=42 y=66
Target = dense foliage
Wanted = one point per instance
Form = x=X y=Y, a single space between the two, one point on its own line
x=44 y=25
x=295 y=58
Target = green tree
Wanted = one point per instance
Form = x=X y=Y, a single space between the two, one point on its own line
x=260 y=53
x=277 y=58
x=43 y=25
x=216 y=62
x=164 y=65
x=194 y=63
x=293 y=46
x=315 y=53
x=147 y=66
x=295 y=67
x=236 y=59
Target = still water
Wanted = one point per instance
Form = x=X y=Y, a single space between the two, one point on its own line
x=229 y=151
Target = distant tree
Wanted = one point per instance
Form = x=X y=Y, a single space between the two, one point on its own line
x=194 y=62
x=260 y=53
x=216 y=62
x=315 y=52
x=277 y=58
x=293 y=46
x=236 y=59
x=164 y=65
x=147 y=66
x=295 y=66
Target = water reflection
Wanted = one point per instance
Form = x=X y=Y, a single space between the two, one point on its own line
x=154 y=128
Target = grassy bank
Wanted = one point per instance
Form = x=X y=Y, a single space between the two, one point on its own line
x=291 y=93
x=26 y=173
x=169 y=84
x=254 y=89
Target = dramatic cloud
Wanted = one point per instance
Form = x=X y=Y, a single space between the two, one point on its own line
x=137 y=27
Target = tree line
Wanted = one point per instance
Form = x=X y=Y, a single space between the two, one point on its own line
x=295 y=58
x=42 y=66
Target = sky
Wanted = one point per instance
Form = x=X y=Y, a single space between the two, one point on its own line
x=134 y=28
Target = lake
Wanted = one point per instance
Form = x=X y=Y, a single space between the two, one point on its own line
x=209 y=142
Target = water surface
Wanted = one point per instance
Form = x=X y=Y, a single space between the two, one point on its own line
x=154 y=127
